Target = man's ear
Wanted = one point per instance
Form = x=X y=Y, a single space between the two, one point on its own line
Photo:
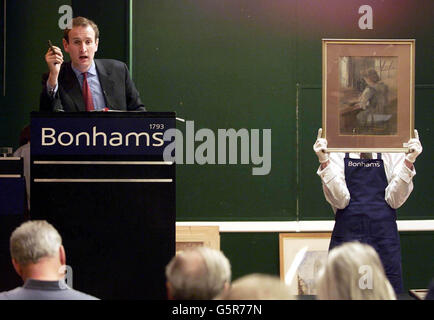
x=96 y=44
x=17 y=267
x=226 y=287
x=62 y=255
x=169 y=291
x=65 y=45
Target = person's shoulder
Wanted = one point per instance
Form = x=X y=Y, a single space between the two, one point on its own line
x=337 y=156
x=380 y=86
x=393 y=160
x=398 y=156
x=111 y=66
x=13 y=294
x=78 y=295
x=24 y=149
x=110 y=63
x=25 y=294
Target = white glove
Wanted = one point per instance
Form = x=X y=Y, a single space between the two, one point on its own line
x=320 y=148
x=414 y=148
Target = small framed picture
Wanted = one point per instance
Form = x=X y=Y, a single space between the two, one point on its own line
x=188 y=237
x=419 y=294
x=368 y=94
x=302 y=255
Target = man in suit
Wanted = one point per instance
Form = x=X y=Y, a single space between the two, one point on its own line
x=85 y=83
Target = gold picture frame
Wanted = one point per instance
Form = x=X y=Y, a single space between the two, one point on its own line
x=368 y=94
x=301 y=257
x=195 y=236
x=419 y=294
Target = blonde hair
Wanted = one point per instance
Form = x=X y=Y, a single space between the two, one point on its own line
x=343 y=277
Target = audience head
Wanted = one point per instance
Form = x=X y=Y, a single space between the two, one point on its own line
x=258 y=286
x=354 y=272
x=197 y=274
x=37 y=251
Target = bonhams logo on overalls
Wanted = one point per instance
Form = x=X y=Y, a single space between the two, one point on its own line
x=375 y=164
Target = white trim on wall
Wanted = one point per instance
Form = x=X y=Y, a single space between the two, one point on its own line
x=294 y=226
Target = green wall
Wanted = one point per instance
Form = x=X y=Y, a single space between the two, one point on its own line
x=393 y=19
x=211 y=63
x=237 y=64
x=29 y=25
x=257 y=64
x=111 y=18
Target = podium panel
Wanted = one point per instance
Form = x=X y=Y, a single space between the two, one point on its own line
x=12 y=214
x=101 y=180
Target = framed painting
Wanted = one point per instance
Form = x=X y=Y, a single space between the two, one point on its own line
x=302 y=255
x=419 y=294
x=368 y=95
x=195 y=236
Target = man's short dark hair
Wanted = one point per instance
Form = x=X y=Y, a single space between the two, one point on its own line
x=81 y=22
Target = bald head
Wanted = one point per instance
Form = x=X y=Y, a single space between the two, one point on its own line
x=197 y=274
x=191 y=263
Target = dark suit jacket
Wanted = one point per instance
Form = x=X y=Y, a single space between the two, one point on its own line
x=119 y=90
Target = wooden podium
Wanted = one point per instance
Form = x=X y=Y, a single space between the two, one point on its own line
x=101 y=180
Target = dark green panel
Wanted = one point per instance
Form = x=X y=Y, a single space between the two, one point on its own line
x=312 y=203
x=251 y=252
x=112 y=20
x=223 y=64
x=392 y=19
x=417 y=259
x=30 y=24
x=259 y=252
x=420 y=204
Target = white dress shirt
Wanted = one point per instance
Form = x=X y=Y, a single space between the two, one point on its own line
x=94 y=84
x=399 y=178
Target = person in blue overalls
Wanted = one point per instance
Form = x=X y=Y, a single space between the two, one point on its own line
x=364 y=191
